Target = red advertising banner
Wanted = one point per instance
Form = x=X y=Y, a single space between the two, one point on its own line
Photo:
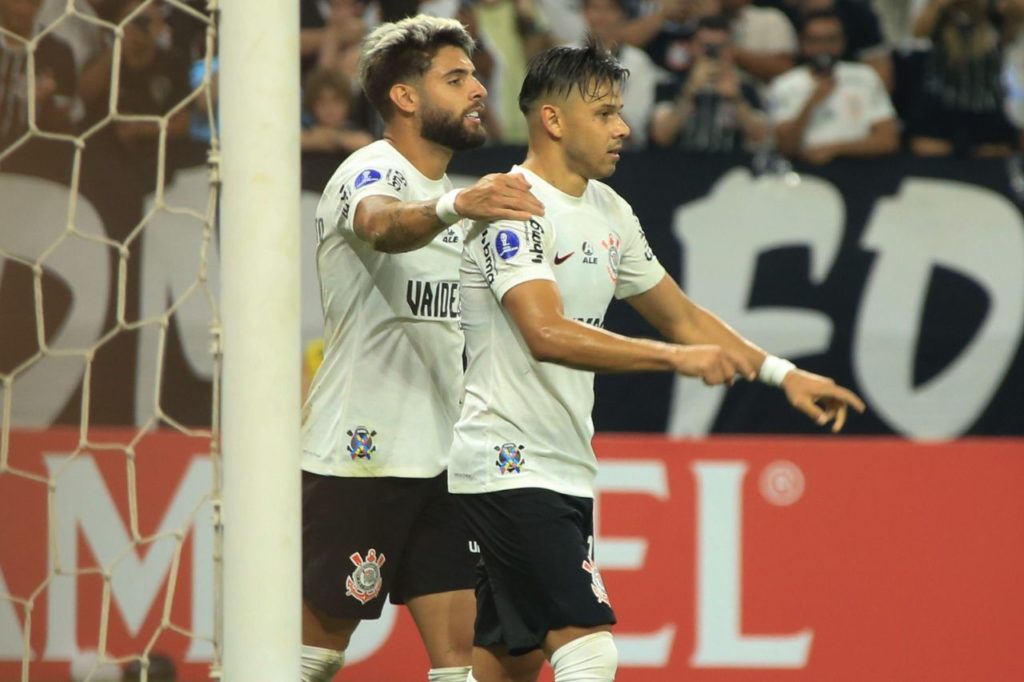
x=729 y=559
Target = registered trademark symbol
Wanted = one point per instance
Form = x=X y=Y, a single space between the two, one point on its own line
x=782 y=483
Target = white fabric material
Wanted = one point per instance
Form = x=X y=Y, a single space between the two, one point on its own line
x=445 y=208
x=387 y=394
x=592 y=658
x=858 y=101
x=459 y=674
x=774 y=369
x=537 y=415
x=319 y=664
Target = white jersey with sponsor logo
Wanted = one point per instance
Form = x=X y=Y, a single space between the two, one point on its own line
x=524 y=423
x=388 y=392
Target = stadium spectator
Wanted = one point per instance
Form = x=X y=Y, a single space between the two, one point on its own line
x=199 y=122
x=85 y=38
x=711 y=108
x=513 y=31
x=338 y=40
x=827 y=107
x=959 y=109
x=328 y=98
x=863 y=31
x=665 y=30
x=152 y=82
x=765 y=44
x=54 y=75
x=603 y=18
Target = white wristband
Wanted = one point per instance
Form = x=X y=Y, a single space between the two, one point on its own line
x=445 y=208
x=774 y=369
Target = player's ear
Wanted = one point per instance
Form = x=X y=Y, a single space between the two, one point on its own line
x=405 y=97
x=553 y=120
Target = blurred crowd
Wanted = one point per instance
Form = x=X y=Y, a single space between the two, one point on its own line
x=813 y=79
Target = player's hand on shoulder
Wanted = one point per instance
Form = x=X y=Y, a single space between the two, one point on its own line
x=712 y=364
x=499 y=196
x=820 y=398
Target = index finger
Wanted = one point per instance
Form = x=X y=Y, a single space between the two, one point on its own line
x=840 y=421
x=517 y=180
x=846 y=395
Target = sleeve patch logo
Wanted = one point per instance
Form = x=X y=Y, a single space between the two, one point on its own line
x=367 y=177
x=506 y=244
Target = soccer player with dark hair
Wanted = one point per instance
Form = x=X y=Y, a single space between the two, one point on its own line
x=535 y=294
x=377 y=426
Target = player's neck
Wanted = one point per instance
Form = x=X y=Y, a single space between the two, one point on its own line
x=550 y=165
x=428 y=157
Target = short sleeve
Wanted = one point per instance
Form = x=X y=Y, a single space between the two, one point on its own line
x=385 y=179
x=880 y=106
x=508 y=253
x=639 y=269
x=784 y=101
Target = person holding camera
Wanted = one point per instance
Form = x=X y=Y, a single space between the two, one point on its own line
x=960 y=106
x=828 y=108
x=711 y=107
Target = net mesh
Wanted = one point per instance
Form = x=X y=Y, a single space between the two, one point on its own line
x=103 y=577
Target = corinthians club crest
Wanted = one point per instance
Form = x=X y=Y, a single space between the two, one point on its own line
x=596 y=582
x=361 y=446
x=613 y=245
x=510 y=458
x=365 y=582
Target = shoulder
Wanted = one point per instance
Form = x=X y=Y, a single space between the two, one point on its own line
x=795 y=79
x=371 y=163
x=609 y=202
x=856 y=73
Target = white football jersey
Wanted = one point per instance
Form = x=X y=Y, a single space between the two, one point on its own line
x=524 y=423
x=388 y=392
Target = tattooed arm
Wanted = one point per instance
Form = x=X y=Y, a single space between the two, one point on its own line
x=394 y=226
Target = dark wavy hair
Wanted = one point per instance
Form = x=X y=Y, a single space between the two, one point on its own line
x=561 y=70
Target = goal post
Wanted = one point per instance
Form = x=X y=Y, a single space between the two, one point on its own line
x=259 y=123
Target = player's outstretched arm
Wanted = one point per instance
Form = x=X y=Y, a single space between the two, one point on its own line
x=679 y=319
x=536 y=308
x=394 y=226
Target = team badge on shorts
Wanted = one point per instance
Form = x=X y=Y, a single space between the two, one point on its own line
x=365 y=582
x=596 y=582
x=361 y=445
x=612 y=244
x=510 y=458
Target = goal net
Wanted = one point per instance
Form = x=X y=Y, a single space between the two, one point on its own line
x=109 y=466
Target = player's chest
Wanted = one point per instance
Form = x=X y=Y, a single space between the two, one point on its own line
x=586 y=262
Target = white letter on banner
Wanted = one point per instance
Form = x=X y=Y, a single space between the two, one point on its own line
x=644 y=477
x=722 y=236
x=12 y=639
x=967 y=229
x=170 y=270
x=38 y=210
x=720 y=642
x=83 y=503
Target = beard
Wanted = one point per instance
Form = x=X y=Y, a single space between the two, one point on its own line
x=450 y=131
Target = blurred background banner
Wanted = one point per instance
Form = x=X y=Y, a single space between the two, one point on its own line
x=902 y=278
x=726 y=559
